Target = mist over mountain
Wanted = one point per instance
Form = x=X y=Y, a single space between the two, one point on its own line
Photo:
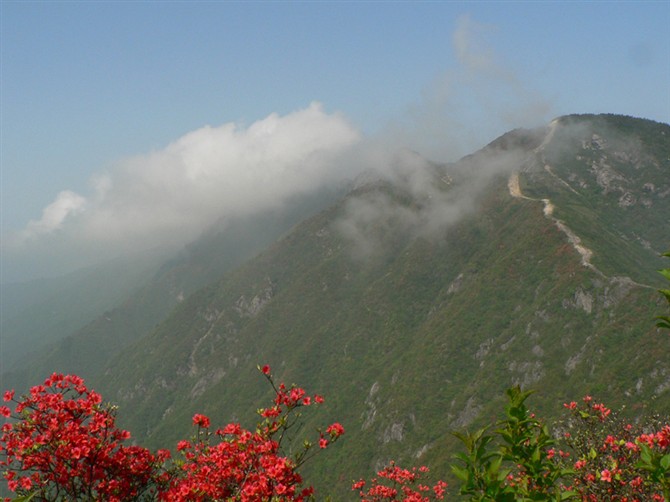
x=37 y=313
x=75 y=324
x=411 y=298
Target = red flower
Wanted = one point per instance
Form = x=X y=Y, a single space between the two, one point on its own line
x=358 y=485
x=406 y=486
x=232 y=429
x=66 y=441
x=335 y=430
x=275 y=411
x=606 y=475
x=201 y=420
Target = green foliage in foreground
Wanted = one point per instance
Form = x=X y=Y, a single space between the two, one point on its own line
x=664 y=320
x=532 y=475
x=593 y=455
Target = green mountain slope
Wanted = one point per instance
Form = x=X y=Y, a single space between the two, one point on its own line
x=416 y=300
x=110 y=327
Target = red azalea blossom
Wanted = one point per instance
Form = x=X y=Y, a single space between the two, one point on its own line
x=201 y=421
x=616 y=462
x=404 y=484
x=335 y=430
x=66 y=442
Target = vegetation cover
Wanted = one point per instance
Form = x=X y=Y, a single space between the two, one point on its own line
x=64 y=445
x=431 y=328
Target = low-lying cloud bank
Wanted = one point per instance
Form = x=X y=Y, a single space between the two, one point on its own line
x=168 y=197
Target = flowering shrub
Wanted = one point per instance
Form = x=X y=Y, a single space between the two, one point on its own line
x=65 y=445
x=394 y=484
x=244 y=465
x=61 y=443
x=613 y=459
x=598 y=457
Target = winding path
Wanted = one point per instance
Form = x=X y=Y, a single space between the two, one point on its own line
x=585 y=253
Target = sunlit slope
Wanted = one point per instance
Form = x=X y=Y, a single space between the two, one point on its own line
x=609 y=177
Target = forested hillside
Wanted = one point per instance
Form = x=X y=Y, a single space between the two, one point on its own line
x=418 y=298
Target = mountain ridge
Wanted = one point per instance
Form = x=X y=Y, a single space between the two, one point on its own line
x=435 y=314
x=417 y=298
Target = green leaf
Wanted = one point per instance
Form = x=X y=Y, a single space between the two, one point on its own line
x=494 y=467
x=568 y=495
x=462 y=457
x=460 y=472
x=665 y=462
x=25 y=498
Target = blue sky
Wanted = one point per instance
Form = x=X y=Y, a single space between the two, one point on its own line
x=95 y=92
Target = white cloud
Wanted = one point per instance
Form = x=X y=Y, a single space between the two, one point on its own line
x=67 y=203
x=169 y=196
x=464 y=108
